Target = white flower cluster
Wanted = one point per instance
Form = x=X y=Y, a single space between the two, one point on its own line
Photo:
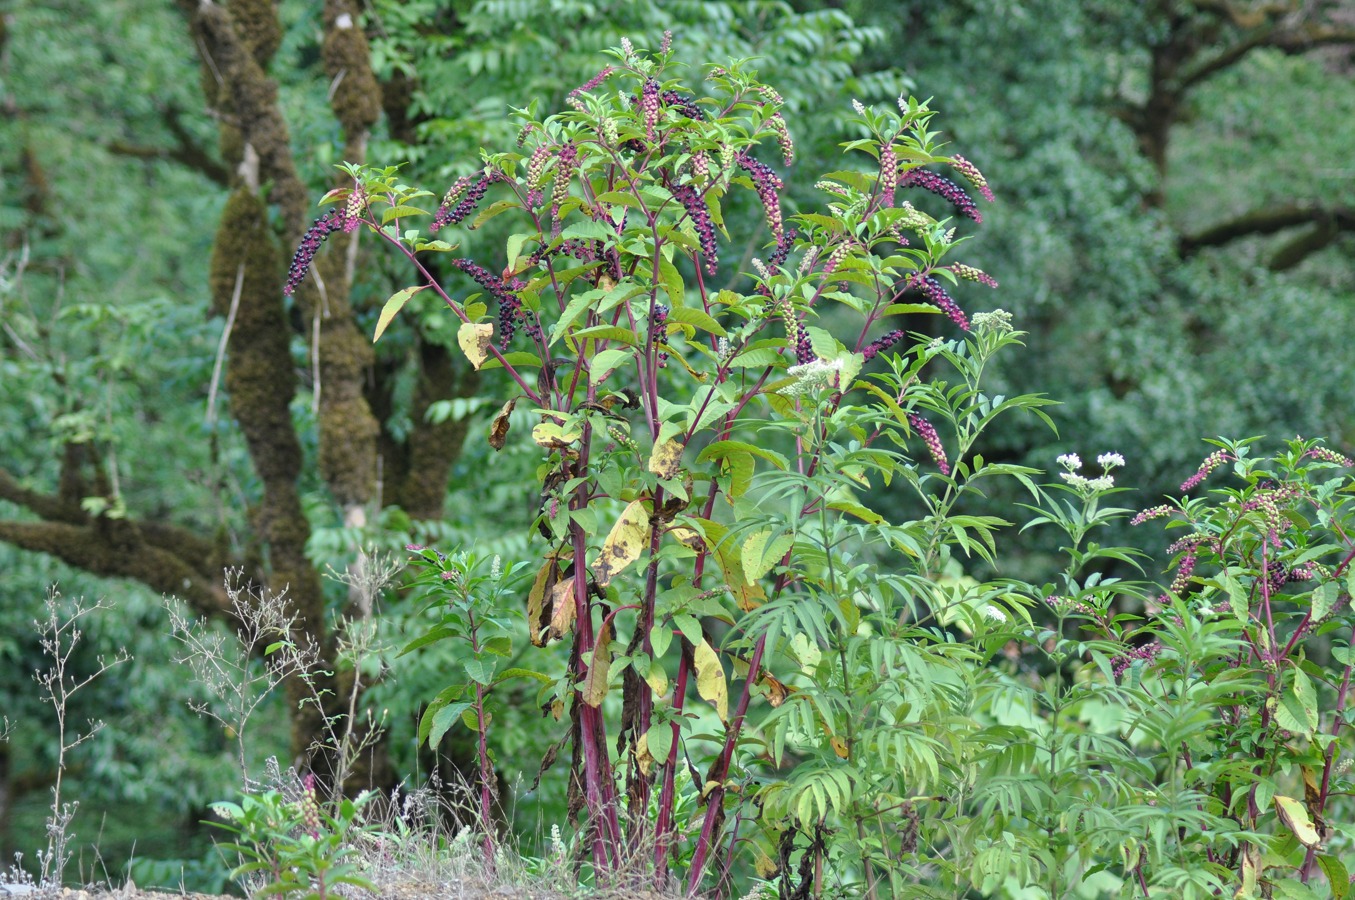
x=999 y=321
x=1072 y=464
x=812 y=377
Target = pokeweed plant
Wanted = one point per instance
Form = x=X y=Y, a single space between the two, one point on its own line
x=1221 y=761
x=712 y=439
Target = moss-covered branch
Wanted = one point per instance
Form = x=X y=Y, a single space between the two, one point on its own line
x=1326 y=224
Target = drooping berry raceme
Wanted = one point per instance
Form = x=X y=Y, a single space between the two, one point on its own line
x=701 y=221
x=768 y=185
x=927 y=432
x=969 y=273
x=937 y=296
x=1326 y=454
x=330 y=222
x=971 y=173
x=942 y=187
x=1211 y=462
x=474 y=192
x=510 y=307
x=683 y=104
x=883 y=343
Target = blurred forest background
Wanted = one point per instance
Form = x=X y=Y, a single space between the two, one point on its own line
x=1174 y=224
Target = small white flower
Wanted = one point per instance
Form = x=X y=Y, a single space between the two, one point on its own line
x=1070 y=461
x=1074 y=479
x=815 y=375
x=994 y=613
x=1110 y=461
x=859 y=107
x=1103 y=483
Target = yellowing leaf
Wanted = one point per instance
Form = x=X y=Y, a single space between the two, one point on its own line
x=595 y=682
x=475 y=339
x=393 y=306
x=643 y=758
x=710 y=679
x=759 y=555
x=1295 y=818
x=657 y=678
x=554 y=437
x=839 y=746
x=624 y=544
x=666 y=460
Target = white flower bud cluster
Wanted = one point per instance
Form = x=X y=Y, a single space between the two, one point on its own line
x=813 y=377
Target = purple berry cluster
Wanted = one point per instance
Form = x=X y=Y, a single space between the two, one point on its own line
x=474 y=192
x=511 y=312
x=768 y=185
x=1147 y=653
x=330 y=222
x=683 y=104
x=942 y=187
x=927 y=432
x=649 y=106
x=657 y=331
x=701 y=221
x=883 y=343
x=937 y=296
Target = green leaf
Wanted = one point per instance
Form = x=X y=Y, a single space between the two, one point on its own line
x=856 y=509
x=398 y=212
x=672 y=284
x=1332 y=867
x=573 y=309
x=480 y=671
x=1237 y=598
x=1324 y=600
x=493 y=210
x=441 y=720
x=690 y=315
x=660 y=638
x=725 y=449
x=690 y=628
x=659 y=739
x=588 y=231
x=393 y=306
x=515 y=245
x=604 y=363
x=516 y=672
x=608 y=333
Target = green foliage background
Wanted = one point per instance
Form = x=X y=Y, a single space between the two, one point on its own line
x=108 y=332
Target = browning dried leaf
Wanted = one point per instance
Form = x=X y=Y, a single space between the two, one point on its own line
x=498 y=429
x=562 y=608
